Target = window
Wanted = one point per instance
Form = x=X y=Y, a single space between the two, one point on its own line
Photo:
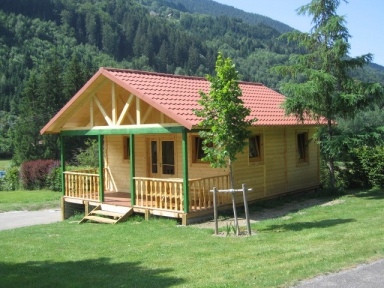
x=198 y=152
x=126 y=151
x=255 y=148
x=302 y=147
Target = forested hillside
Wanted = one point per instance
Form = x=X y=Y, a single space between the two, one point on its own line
x=210 y=7
x=49 y=48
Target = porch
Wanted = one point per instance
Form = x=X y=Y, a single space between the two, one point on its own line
x=162 y=197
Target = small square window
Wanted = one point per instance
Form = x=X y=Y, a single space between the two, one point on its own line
x=255 y=148
x=198 y=152
x=126 y=149
x=302 y=147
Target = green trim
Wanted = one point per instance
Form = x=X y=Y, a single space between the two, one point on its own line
x=132 y=167
x=100 y=139
x=185 y=170
x=62 y=163
x=121 y=131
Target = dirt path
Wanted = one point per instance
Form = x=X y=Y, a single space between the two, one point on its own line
x=271 y=213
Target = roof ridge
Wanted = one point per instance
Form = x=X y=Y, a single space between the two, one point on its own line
x=154 y=73
x=172 y=75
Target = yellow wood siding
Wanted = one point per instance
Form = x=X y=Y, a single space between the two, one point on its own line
x=277 y=173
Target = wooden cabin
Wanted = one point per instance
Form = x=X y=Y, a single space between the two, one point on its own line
x=150 y=151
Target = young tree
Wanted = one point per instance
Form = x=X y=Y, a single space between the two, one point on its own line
x=224 y=116
x=321 y=84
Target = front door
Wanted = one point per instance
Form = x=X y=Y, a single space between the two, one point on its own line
x=162 y=158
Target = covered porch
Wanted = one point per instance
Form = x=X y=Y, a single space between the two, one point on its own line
x=163 y=197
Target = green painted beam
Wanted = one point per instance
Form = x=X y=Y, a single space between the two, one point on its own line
x=132 y=167
x=101 y=167
x=185 y=170
x=62 y=163
x=121 y=131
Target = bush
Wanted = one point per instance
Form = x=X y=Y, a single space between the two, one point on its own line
x=89 y=155
x=34 y=174
x=372 y=163
x=54 y=178
x=11 y=180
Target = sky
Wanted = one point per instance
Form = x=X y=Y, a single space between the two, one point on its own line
x=365 y=20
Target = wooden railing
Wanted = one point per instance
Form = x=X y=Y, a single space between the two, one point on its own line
x=82 y=184
x=168 y=193
x=159 y=193
x=151 y=192
x=200 y=196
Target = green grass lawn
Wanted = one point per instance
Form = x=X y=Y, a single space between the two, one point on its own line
x=159 y=253
x=4 y=164
x=28 y=200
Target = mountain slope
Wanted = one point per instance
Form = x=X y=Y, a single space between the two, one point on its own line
x=210 y=7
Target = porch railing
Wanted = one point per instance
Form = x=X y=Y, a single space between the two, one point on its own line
x=82 y=184
x=158 y=193
x=200 y=196
x=168 y=193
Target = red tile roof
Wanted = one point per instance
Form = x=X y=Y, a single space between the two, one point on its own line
x=176 y=96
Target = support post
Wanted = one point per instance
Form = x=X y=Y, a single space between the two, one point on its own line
x=215 y=210
x=101 y=167
x=62 y=163
x=185 y=170
x=132 y=168
x=246 y=209
x=235 y=213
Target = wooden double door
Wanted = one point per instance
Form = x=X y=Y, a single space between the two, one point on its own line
x=162 y=157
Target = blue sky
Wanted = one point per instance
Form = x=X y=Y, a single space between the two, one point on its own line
x=365 y=20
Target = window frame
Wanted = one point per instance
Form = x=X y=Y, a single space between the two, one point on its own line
x=196 y=147
x=302 y=147
x=259 y=147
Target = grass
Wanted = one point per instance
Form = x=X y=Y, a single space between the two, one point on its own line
x=28 y=200
x=159 y=253
x=4 y=164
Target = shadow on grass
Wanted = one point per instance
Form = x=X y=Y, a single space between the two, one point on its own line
x=298 y=226
x=86 y=273
x=373 y=194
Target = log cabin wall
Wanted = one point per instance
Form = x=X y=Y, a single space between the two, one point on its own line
x=279 y=171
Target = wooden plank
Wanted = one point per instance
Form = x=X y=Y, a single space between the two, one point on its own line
x=101 y=108
x=138 y=111
x=125 y=110
x=125 y=216
x=100 y=219
x=106 y=213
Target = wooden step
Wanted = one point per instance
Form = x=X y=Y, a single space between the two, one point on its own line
x=118 y=213
x=100 y=219
x=114 y=208
x=107 y=213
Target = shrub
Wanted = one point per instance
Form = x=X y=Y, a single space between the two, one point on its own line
x=372 y=163
x=54 y=177
x=33 y=174
x=11 y=180
x=89 y=155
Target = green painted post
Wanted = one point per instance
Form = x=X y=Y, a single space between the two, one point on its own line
x=132 y=167
x=185 y=170
x=100 y=139
x=62 y=163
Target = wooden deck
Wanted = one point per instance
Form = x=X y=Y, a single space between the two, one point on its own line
x=118 y=198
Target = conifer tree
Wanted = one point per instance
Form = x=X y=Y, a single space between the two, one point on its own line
x=321 y=84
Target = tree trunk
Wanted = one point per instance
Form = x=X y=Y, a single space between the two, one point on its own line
x=233 y=198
